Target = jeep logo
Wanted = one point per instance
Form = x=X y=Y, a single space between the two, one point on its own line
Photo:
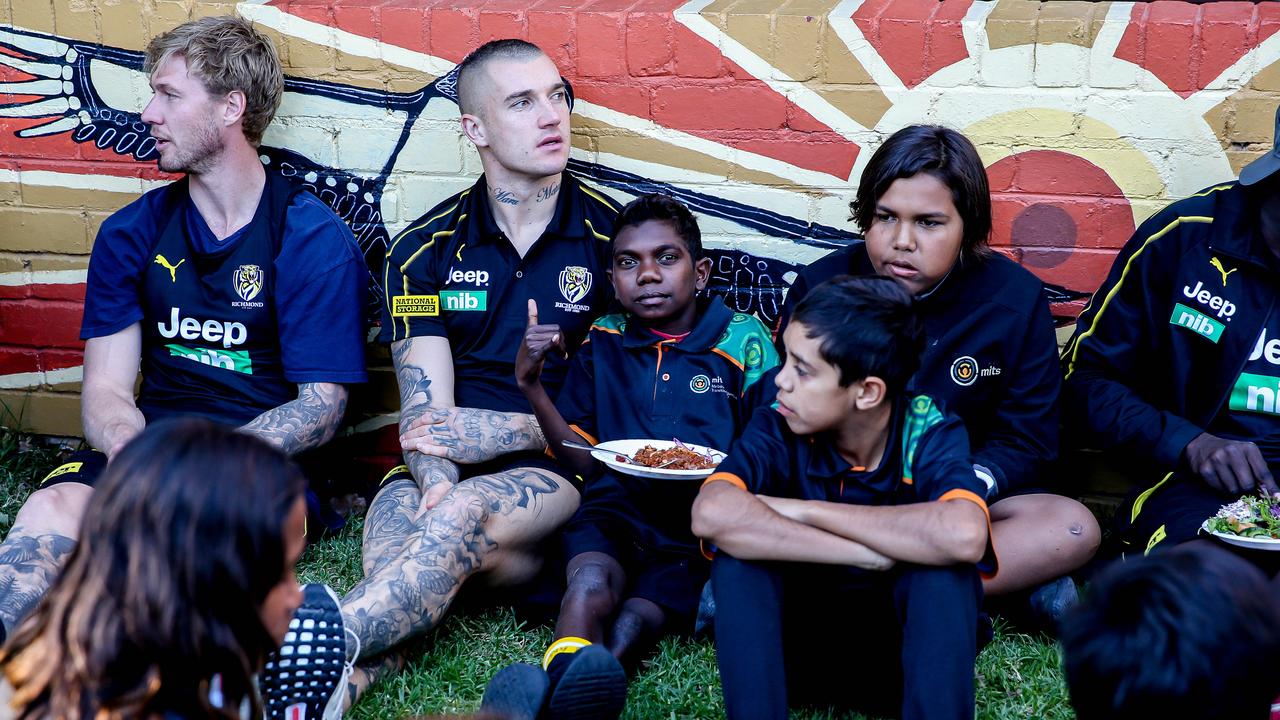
x=211 y=331
x=475 y=277
x=1215 y=302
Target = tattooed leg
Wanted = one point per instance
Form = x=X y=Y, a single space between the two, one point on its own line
x=389 y=523
x=367 y=674
x=467 y=532
x=43 y=536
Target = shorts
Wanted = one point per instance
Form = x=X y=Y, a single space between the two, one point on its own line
x=670 y=577
x=86 y=467
x=1167 y=513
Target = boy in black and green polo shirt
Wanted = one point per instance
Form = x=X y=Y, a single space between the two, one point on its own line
x=667 y=366
x=845 y=574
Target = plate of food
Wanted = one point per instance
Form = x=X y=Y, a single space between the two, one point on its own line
x=1250 y=522
x=659 y=459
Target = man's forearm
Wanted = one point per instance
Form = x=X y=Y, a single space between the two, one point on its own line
x=926 y=533
x=110 y=420
x=739 y=524
x=306 y=422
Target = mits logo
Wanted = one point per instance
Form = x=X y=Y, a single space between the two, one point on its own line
x=964 y=371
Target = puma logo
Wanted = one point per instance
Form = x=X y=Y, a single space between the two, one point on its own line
x=173 y=269
x=459 y=253
x=1216 y=263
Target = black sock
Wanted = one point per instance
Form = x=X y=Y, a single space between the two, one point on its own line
x=559 y=663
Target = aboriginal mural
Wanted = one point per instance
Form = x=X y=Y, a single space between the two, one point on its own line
x=759 y=115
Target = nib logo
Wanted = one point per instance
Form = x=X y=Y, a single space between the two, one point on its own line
x=1197 y=322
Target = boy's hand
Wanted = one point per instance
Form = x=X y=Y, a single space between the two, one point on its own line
x=1233 y=466
x=538 y=339
x=789 y=508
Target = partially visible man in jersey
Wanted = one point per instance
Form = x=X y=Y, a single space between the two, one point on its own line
x=237 y=296
x=458 y=283
x=1175 y=362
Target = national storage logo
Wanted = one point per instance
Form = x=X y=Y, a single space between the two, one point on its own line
x=415 y=306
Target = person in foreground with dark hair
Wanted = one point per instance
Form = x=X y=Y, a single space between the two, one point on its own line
x=184 y=584
x=667 y=365
x=1192 y=632
x=848 y=520
x=924 y=207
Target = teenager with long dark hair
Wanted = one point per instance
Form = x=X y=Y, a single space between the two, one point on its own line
x=184 y=583
x=924 y=206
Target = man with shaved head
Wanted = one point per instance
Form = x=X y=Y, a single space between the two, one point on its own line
x=478 y=493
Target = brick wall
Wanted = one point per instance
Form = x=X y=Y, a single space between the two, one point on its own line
x=759 y=114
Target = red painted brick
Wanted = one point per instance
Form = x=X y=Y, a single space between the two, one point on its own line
x=405 y=27
x=694 y=56
x=41 y=323
x=739 y=106
x=824 y=152
x=14 y=292
x=614 y=6
x=600 y=36
x=913 y=10
x=1173 y=13
x=18 y=360
x=356 y=19
x=954 y=10
x=630 y=98
x=554 y=32
x=314 y=13
x=60 y=359
x=60 y=291
x=901 y=42
x=496 y=25
x=648 y=51
x=1223 y=41
x=1240 y=13
x=453 y=33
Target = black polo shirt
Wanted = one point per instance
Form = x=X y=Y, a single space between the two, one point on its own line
x=452 y=273
x=628 y=382
x=926 y=460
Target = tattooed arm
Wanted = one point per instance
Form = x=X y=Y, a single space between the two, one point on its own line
x=424 y=372
x=304 y=423
x=471 y=435
x=108 y=411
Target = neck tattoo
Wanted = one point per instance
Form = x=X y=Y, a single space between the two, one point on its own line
x=548 y=192
x=504 y=197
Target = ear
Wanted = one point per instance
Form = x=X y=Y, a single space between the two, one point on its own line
x=233 y=110
x=702 y=273
x=871 y=392
x=473 y=128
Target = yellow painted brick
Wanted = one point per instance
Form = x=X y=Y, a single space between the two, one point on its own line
x=1219 y=118
x=33 y=14
x=304 y=54
x=347 y=61
x=46 y=262
x=77 y=21
x=753 y=29
x=93 y=221
x=1254 y=119
x=1240 y=158
x=9 y=194
x=1268 y=79
x=43 y=230
x=839 y=66
x=45 y=413
x=810 y=8
x=1013 y=22
x=48 y=196
x=122 y=24
x=12 y=263
x=864 y=103
x=798 y=46
x=166 y=15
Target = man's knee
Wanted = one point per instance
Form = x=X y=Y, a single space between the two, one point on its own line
x=941 y=585
x=590 y=586
x=56 y=509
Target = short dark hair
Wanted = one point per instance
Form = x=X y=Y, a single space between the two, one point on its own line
x=867 y=326
x=946 y=155
x=662 y=208
x=470 y=67
x=1189 y=632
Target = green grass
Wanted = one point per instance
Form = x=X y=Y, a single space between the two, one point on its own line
x=1018 y=676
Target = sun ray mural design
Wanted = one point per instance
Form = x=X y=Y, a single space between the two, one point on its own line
x=759 y=115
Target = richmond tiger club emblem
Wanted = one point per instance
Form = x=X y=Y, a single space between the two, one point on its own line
x=247 y=281
x=575 y=283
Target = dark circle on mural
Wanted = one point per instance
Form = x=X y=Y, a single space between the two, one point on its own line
x=1045 y=226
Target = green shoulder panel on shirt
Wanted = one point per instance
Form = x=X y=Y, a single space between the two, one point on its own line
x=748 y=343
x=614 y=323
x=921 y=414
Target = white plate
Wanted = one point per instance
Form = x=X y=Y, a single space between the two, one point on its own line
x=1244 y=542
x=606 y=452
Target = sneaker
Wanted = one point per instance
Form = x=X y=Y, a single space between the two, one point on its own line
x=1049 y=602
x=516 y=692
x=593 y=687
x=306 y=679
x=704 y=625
